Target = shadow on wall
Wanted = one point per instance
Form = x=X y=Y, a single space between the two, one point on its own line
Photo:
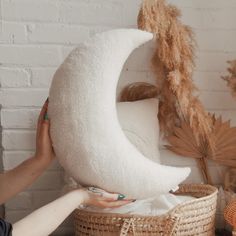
x=1 y=164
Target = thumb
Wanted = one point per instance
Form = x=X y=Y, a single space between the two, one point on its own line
x=114 y=196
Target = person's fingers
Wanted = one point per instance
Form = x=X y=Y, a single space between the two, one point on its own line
x=42 y=114
x=114 y=204
x=113 y=196
x=45 y=128
x=106 y=195
x=43 y=111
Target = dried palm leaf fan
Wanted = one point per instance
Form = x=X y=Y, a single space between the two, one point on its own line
x=189 y=128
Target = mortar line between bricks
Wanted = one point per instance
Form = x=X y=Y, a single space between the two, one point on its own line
x=19 y=129
x=69 y=23
x=38 y=109
x=126 y=69
x=103 y=27
x=25 y=108
x=201 y=90
x=49 y=44
x=20 y=66
x=23 y=89
x=33 y=89
x=57 y=45
x=21 y=108
x=99 y=25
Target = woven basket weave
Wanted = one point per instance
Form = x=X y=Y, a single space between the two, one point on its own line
x=195 y=217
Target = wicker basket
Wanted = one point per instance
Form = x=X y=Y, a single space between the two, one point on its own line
x=195 y=217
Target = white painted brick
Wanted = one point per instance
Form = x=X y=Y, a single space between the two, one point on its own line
x=23 y=97
x=213 y=61
x=210 y=81
x=19 y=118
x=131 y=10
x=219 y=18
x=42 y=77
x=12 y=159
x=41 y=198
x=12 y=78
x=30 y=55
x=13 y=33
x=58 y=33
x=216 y=40
x=192 y=17
x=218 y=100
x=99 y=13
x=50 y=180
x=206 y=18
x=202 y=4
x=30 y=10
x=23 y=201
x=18 y=139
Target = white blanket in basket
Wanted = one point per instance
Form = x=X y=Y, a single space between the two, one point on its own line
x=148 y=207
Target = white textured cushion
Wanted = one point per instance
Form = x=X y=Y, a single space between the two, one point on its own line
x=86 y=134
x=140 y=124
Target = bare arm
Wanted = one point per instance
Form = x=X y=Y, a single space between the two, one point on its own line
x=22 y=176
x=46 y=219
x=55 y=212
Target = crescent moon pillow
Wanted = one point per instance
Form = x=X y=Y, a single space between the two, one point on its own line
x=86 y=134
x=144 y=137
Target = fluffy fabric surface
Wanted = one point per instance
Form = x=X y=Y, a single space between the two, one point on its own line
x=86 y=134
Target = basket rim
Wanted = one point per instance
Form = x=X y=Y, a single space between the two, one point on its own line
x=196 y=200
x=170 y=214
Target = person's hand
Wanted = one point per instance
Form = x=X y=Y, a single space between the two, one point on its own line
x=44 y=150
x=100 y=198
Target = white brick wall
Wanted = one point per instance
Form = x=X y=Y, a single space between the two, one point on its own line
x=37 y=35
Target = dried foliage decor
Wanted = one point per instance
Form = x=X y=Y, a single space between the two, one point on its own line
x=231 y=78
x=189 y=128
x=174 y=55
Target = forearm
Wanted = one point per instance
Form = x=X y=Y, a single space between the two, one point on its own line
x=19 y=178
x=45 y=220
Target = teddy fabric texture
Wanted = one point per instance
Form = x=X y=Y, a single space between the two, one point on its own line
x=86 y=134
x=144 y=137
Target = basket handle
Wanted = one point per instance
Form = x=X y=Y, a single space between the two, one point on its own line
x=126 y=226
x=130 y=223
